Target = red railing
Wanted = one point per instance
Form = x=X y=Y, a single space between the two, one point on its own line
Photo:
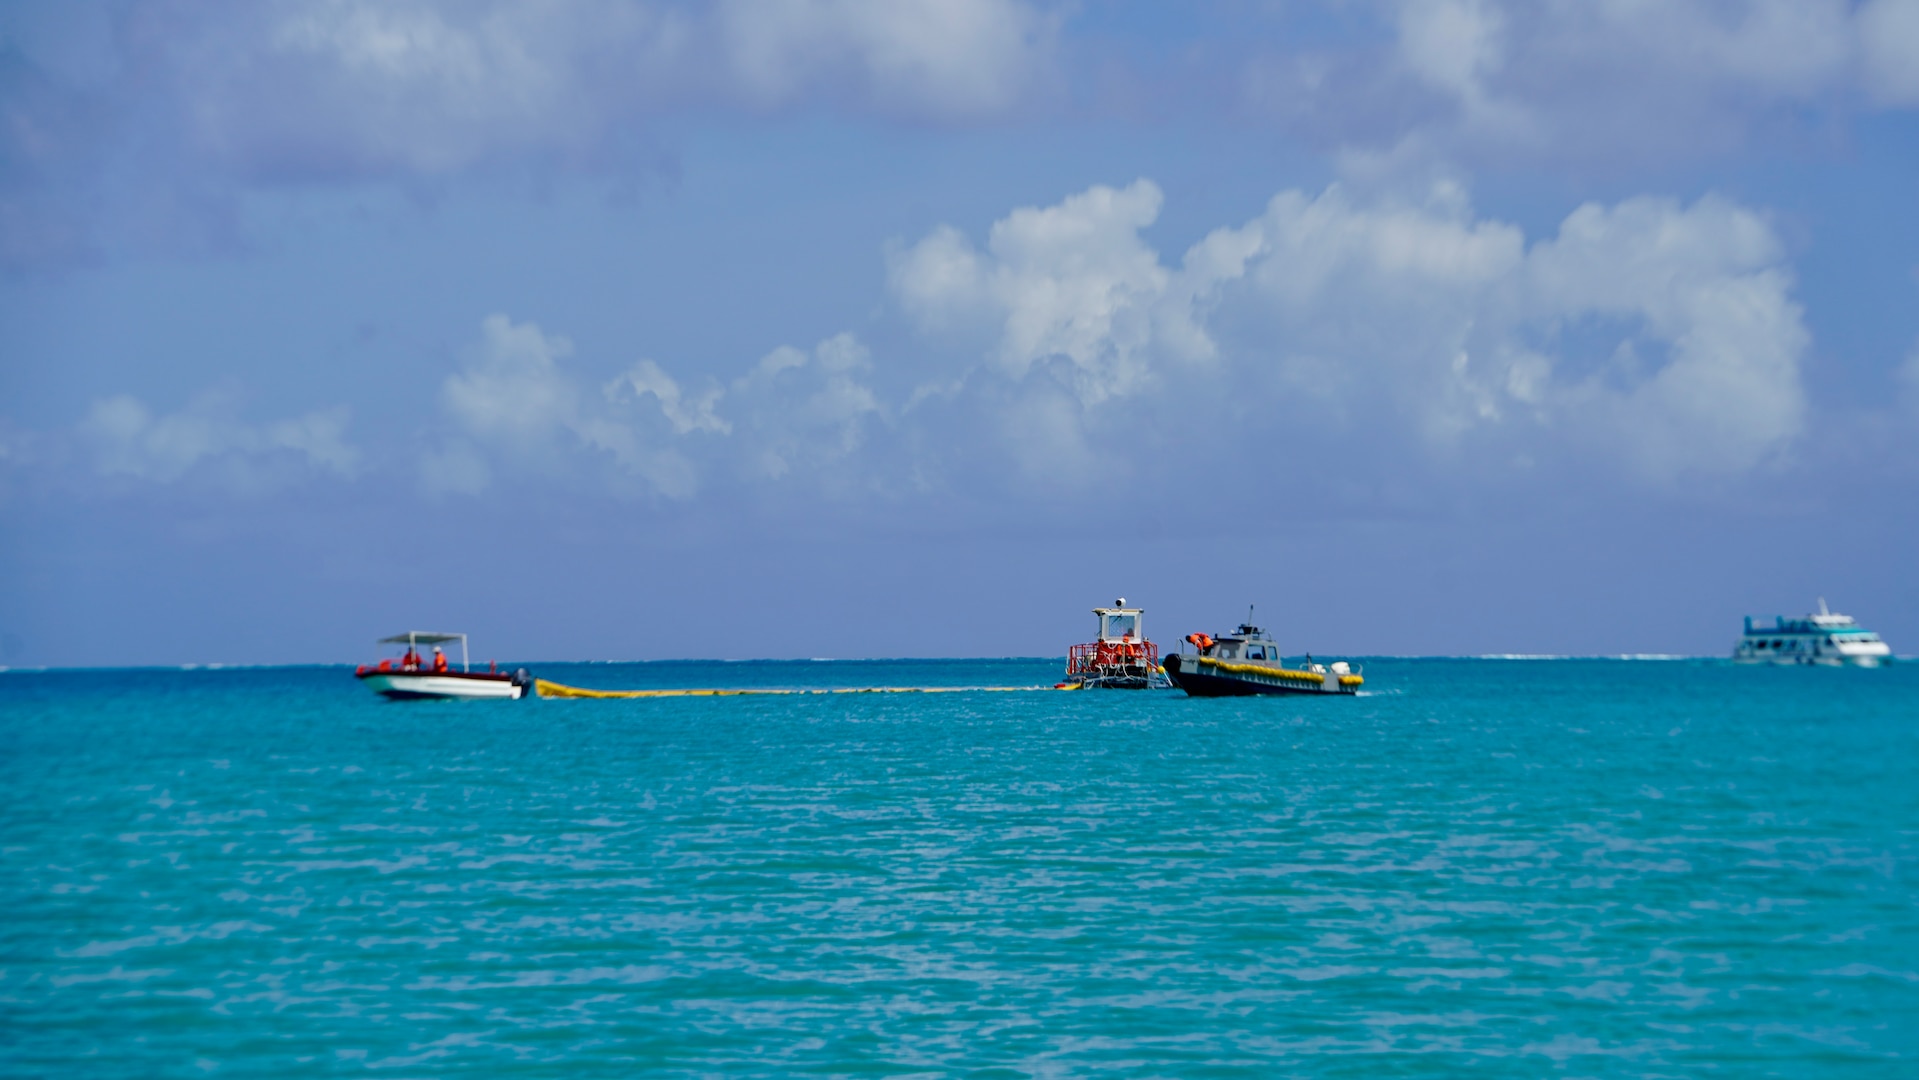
x=1111 y=658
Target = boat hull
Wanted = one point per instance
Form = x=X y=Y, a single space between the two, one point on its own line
x=425 y=685
x=1201 y=677
x=1127 y=681
x=1855 y=660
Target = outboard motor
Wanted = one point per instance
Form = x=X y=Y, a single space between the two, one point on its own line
x=524 y=681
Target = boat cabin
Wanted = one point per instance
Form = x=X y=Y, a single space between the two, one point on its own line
x=1248 y=642
x=1120 y=624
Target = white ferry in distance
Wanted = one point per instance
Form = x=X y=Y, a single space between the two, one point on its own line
x=1824 y=638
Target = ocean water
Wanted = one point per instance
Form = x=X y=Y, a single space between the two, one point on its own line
x=1517 y=868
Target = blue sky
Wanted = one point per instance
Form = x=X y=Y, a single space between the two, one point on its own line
x=626 y=330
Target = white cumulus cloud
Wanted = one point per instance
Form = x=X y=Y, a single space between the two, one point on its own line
x=685 y=412
x=514 y=397
x=127 y=438
x=513 y=387
x=1656 y=335
x=803 y=411
x=1589 y=81
x=942 y=58
x=515 y=404
x=352 y=87
x=1073 y=281
x=1889 y=36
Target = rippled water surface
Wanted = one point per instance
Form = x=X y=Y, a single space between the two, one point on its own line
x=1581 y=868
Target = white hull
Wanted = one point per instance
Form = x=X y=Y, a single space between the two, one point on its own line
x=1820 y=661
x=427 y=684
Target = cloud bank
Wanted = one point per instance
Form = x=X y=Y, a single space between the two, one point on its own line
x=126 y=439
x=515 y=406
x=1587 y=83
x=1651 y=340
x=424 y=86
x=1656 y=335
x=142 y=126
x=165 y=112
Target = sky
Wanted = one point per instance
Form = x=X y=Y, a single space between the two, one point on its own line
x=636 y=329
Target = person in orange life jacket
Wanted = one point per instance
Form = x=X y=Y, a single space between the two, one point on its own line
x=439 y=659
x=411 y=661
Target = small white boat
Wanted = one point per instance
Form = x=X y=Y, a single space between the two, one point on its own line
x=1825 y=638
x=413 y=676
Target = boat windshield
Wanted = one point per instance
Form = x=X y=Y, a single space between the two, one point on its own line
x=1113 y=626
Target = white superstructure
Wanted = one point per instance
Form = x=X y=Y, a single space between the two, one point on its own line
x=1823 y=638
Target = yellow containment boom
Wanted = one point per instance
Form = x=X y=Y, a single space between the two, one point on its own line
x=547 y=689
x=1278 y=673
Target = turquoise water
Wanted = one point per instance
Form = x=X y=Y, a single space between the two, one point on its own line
x=1579 y=868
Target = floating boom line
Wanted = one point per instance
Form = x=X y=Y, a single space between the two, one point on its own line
x=548 y=689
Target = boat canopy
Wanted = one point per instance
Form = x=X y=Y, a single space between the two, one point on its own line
x=414 y=638
x=420 y=637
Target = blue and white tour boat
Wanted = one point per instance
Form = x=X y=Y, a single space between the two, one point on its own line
x=1824 y=638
